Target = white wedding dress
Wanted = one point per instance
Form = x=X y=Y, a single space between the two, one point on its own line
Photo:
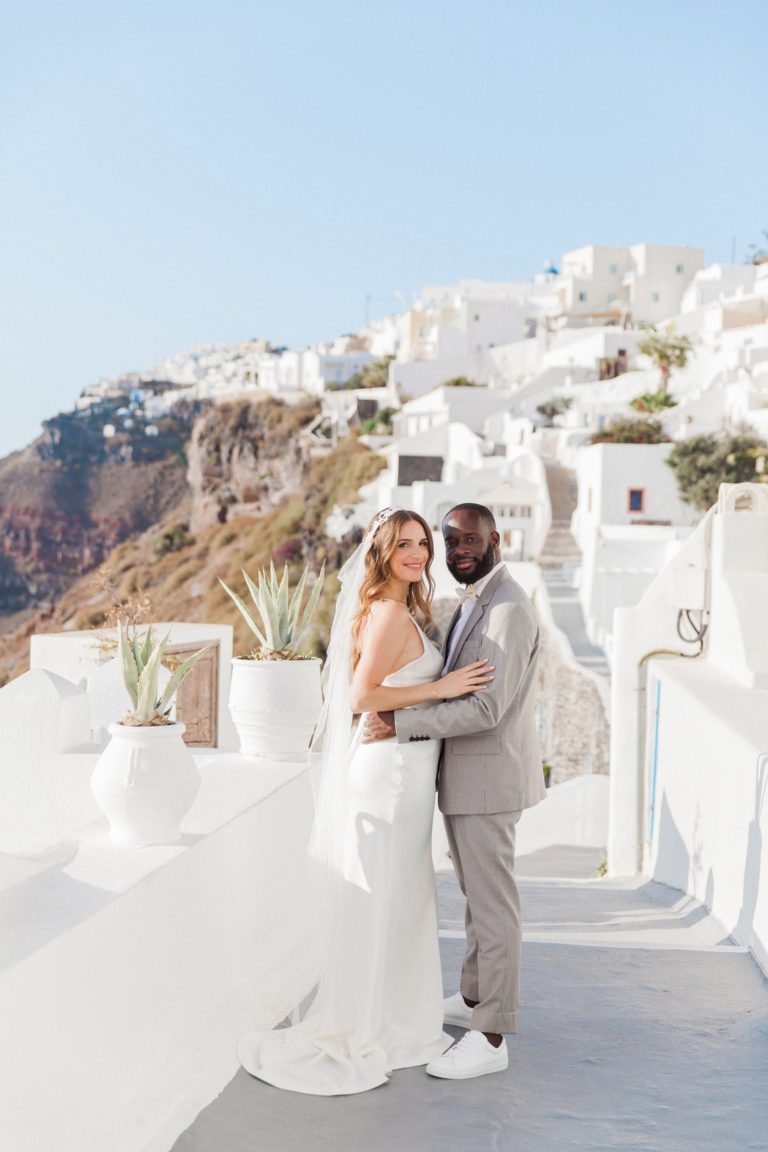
x=380 y=1005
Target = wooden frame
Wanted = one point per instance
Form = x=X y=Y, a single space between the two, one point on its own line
x=197 y=699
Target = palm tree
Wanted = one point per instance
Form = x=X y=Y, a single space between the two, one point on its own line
x=667 y=352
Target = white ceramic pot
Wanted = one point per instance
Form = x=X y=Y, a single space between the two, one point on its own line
x=145 y=782
x=275 y=705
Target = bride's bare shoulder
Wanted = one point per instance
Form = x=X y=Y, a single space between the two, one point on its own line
x=385 y=636
x=388 y=614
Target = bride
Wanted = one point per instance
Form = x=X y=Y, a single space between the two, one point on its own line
x=378 y=1004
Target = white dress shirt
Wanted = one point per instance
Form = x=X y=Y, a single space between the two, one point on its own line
x=466 y=610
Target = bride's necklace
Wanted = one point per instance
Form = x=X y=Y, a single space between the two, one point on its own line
x=396 y=599
x=393 y=600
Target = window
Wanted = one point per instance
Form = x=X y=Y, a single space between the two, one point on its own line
x=582 y=297
x=636 y=500
x=613 y=269
x=654 y=297
x=679 y=268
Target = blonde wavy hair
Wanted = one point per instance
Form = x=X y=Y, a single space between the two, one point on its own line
x=377 y=573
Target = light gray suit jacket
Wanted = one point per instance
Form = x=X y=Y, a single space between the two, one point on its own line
x=491 y=760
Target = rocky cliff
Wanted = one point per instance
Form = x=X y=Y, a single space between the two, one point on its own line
x=246 y=456
x=69 y=498
x=259 y=489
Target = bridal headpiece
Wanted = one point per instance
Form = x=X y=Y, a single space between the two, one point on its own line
x=379 y=519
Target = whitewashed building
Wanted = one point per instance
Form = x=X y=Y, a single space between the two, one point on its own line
x=598 y=284
x=629 y=522
x=323 y=369
x=432 y=471
x=469 y=406
x=715 y=281
x=449 y=331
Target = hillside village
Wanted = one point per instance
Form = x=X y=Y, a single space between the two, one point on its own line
x=565 y=404
x=488 y=391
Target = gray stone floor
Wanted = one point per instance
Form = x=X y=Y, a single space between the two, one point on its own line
x=644 y=1027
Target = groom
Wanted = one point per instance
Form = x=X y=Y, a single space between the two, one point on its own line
x=490 y=771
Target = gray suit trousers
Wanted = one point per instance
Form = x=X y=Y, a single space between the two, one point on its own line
x=483 y=854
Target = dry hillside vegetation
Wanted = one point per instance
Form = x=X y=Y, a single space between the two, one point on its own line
x=175 y=568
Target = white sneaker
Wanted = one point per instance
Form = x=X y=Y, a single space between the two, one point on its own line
x=472 y=1056
x=457 y=1012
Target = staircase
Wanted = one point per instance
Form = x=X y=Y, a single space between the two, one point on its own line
x=559 y=557
x=560 y=549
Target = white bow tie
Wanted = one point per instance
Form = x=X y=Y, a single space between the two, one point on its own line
x=468 y=593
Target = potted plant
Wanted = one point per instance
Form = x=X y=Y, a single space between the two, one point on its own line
x=146 y=779
x=275 y=695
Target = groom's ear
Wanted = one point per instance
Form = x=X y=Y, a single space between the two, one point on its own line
x=495 y=539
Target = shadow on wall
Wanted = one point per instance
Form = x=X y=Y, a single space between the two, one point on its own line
x=753 y=856
x=673 y=864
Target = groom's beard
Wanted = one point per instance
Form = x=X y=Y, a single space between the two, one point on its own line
x=484 y=565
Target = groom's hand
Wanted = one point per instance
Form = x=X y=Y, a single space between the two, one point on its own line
x=379 y=726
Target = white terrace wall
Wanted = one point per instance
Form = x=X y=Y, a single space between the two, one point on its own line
x=617 y=566
x=127 y=974
x=707 y=781
x=650 y=626
x=416 y=377
x=689 y=742
x=45 y=772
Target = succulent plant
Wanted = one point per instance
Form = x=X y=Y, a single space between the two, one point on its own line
x=283 y=624
x=140 y=663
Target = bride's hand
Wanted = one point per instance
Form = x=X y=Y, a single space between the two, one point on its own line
x=464 y=680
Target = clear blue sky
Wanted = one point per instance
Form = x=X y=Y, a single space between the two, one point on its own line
x=176 y=172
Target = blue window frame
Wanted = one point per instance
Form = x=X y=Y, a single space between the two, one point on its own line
x=636 y=500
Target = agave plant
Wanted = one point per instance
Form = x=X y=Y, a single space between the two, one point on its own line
x=140 y=663
x=283 y=624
